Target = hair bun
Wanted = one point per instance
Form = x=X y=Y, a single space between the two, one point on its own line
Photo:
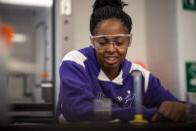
x=114 y=3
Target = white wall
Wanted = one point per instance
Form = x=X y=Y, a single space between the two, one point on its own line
x=162 y=47
x=186 y=23
x=137 y=51
x=81 y=19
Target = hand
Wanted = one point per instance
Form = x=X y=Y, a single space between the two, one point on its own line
x=171 y=110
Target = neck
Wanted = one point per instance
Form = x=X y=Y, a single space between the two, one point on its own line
x=111 y=73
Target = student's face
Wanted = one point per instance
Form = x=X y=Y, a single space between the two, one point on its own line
x=111 y=56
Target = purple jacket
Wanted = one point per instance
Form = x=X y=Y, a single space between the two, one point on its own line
x=82 y=81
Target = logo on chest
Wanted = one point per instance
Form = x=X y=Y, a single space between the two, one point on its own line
x=127 y=99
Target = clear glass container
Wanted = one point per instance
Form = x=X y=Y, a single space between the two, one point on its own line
x=102 y=109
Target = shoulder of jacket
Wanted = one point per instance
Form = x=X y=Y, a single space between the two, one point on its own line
x=75 y=56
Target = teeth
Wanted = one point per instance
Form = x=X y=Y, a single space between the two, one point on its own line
x=111 y=58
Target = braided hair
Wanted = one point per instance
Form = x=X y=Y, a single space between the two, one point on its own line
x=108 y=9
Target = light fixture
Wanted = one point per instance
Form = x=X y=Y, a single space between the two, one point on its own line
x=66 y=7
x=20 y=38
x=37 y=3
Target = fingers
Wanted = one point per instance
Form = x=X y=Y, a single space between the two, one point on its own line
x=156 y=117
x=166 y=109
x=175 y=111
x=180 y=111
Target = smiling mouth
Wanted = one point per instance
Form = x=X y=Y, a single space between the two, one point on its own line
x=111 y=59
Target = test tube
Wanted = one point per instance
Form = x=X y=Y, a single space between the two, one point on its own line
x=137 y=83
x=137 y=76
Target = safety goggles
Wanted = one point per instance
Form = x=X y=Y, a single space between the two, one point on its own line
x=119 y=41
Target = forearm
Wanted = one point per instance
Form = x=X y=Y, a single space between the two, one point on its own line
x=80 y=112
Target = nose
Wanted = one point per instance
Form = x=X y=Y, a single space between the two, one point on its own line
x=111 y=47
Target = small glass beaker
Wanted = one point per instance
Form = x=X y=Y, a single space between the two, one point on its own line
x=102 y=109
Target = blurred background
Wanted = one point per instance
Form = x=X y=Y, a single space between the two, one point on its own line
x=36 y=34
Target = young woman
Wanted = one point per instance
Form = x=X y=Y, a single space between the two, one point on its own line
x=102 y=71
